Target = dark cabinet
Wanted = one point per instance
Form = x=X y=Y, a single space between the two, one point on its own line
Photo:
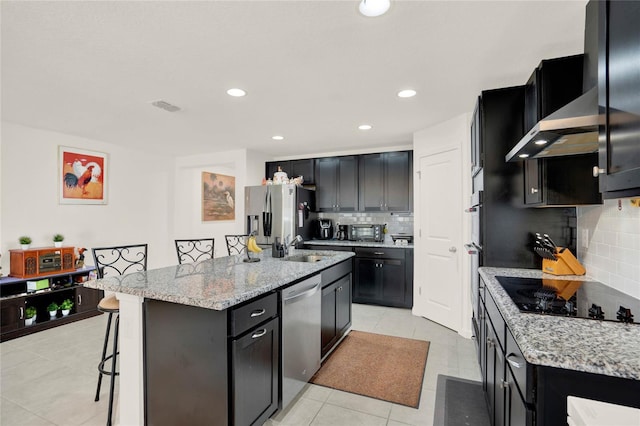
x=381 y=277
x=12 y=314
x=14 y=299
x=336 y=312
x=255 y=374
x=557 y=180
x=385 y=182
x=336 y=184
x=293 y=168
x=618 y=93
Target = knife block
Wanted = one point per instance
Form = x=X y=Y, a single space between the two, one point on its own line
x=567 y=264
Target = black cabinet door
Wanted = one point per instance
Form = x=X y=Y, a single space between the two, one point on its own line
x=393 y=281
x=515 y=409
x=343 y=305
x=398 y=181
x=368 y=283
x=304 y=168
x=87 y=299
x=272 y=167
x=532 y=182
x=326 y=183
x=328 y=318
x=255 y=375
x=12 y=314
x=491 y=371
x=619 y=61
x=482 y=343
x=347 y=190
x=372 y=197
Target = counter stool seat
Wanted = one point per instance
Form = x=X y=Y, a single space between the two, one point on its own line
x=109 y=304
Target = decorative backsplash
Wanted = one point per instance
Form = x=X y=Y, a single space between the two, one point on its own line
x=609 y=244
x=397 y=223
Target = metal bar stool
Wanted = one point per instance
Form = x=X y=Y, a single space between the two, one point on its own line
x=194 y=250
x=236 y=244
x=110 y=261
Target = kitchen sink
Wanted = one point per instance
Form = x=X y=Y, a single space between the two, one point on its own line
x=305 y=258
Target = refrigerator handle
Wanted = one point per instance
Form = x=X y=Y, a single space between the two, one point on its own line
x=253 y=223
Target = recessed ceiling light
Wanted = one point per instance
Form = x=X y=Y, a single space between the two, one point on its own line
x=277 y=138
x=236 y=92
x=541 y=142
x=408 y=93
x=372 y=8
x=364 y=127
x=523 y=155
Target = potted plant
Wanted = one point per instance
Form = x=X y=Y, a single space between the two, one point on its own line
x=66 y=306
x=30 y=315
x=57 y=240
x=25 y=242
x=53 y=309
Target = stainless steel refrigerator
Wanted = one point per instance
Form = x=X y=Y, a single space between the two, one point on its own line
x=281 y=211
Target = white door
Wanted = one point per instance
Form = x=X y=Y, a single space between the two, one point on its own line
x=440 y=265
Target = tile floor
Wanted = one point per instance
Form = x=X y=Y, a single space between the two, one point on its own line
x=49 y=378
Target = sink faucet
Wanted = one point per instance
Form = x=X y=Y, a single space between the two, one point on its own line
x=287 y=244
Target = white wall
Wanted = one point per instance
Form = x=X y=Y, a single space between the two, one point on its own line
x=609 y=244
x=248 y=169
x=430 y=141
x=138 y=200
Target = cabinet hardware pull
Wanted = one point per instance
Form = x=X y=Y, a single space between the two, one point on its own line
x=534 y=190
x=597 y=171
x=21 y=313
x=513 y=363
x=79 y=299
x=504 y=384
x=259 y=333
x=379 y=253
x=257 y=313
x=471 y=210
x=471 y=248
x=490 y=342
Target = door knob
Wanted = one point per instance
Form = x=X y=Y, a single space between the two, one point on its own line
x=453 y=249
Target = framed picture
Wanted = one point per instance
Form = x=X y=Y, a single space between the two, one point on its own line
x=218 y=195
x=82 y=176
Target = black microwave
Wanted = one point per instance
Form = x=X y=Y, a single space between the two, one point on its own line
x=369 y=232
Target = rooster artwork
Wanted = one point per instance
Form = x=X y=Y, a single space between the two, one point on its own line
x=82 y=177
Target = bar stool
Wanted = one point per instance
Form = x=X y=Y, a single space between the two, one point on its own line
x=194 y=250
x=111 y=261
x=236 y=244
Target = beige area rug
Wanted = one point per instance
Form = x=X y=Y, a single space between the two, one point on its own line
x=382 y=367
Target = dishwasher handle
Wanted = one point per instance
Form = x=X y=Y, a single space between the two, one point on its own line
x=301 y=295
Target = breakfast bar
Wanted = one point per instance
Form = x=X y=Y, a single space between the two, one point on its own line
x=211 y=294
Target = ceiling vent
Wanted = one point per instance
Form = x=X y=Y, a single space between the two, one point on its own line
x=165 y=106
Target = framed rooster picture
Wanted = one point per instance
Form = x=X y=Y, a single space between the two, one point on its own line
x=82 y=176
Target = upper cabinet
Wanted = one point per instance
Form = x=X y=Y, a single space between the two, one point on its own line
x=619 y=98
x=336 y=181
x=556 y=181
x=385 y=182
x=293 y=168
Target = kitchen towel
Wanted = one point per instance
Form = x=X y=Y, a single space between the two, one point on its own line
x=378 y=366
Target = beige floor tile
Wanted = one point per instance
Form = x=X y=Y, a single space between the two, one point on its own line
x=333 y=415
x=13 y=415
x=315 y=392
x=360 y=403
x=422 y=416
x=15 y=356
x=301 y=413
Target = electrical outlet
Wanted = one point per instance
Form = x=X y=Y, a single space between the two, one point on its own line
x=585 y=238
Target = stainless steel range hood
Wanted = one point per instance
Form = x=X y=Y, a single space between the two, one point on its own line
x=571 y=130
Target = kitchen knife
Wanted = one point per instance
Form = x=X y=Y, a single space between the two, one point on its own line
x=550 y=241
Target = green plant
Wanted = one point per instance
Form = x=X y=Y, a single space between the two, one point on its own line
x=58 y=238
x=25 y=240
x=66 y=304
x=53 y=306
x=30 y=312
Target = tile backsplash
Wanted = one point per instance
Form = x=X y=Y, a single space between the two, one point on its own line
x=397 y=223
x=609 y=244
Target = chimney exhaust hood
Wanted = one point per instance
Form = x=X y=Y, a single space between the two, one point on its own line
x=571 y=130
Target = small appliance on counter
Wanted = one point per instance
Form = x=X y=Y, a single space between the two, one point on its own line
x=324 y=229
x=342 y=233
x=402 y=239
x=366 y=232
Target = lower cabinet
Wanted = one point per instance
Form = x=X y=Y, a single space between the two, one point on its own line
x=12 y=314
x=255 y=374
x=382 y=277
x=336 y=312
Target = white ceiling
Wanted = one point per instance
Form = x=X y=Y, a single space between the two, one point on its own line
x=313 y=70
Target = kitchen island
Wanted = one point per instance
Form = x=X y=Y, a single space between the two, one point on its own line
x=195 y=303
x=532 y=362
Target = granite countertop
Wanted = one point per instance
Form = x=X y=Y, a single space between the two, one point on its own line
x=346 y=243
x=600 y=347
x=218 y=283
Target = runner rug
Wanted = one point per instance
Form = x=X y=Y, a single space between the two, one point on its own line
x=378 y=366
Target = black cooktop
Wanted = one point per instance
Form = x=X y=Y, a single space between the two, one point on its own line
x=580 y=299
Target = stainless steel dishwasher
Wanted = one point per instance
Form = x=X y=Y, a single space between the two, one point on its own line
x=301 y=312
